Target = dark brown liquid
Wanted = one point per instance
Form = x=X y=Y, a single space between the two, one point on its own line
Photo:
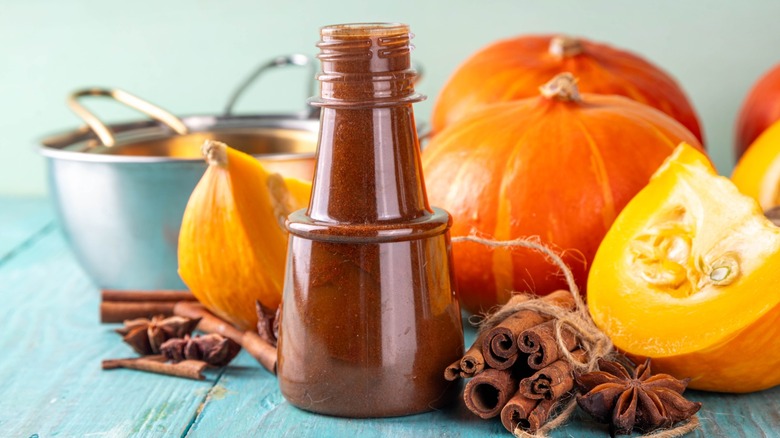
x=370 y=317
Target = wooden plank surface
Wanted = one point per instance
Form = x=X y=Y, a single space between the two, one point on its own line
x=20 y=220
x=52 y=345
x=52 y=384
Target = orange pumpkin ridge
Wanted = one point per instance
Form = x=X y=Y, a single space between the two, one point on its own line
x=512 y=69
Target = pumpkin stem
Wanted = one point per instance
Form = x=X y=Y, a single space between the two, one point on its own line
x=215 y=152
x=563 y=46
x=280 y=199
x=562 y=87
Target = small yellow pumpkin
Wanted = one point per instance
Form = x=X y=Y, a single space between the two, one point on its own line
x=232 y=243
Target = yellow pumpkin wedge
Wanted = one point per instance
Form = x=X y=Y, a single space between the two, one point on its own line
x=689 y=275
x=757 y=174
x=232 y=243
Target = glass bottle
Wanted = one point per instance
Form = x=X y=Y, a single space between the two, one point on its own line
x=370 y=316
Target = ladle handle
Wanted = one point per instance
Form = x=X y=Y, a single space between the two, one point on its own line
x=280 y=61
x=102 y=131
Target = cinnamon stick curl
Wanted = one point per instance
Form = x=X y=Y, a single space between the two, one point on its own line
x=542 y=347
x=258 y=348
x=499 y=346
x=487 y=393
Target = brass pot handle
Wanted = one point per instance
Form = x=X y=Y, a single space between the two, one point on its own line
x=280 y=61
x=102 y=131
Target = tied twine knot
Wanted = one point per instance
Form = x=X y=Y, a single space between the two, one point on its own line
x=591 y=339
x=595 y=343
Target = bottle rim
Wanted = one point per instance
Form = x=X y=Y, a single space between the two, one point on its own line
x=377 y=29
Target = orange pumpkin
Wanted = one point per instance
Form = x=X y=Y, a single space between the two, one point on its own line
x=760 y=109
x=560 y=166
x=513 y=69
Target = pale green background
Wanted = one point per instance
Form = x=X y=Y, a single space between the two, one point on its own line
x=188 y=55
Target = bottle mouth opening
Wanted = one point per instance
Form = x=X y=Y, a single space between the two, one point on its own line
x=365 y=65
x=364 y=30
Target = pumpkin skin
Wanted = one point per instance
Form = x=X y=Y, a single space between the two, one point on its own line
x=514 y=68
x=549 y=167
x=760 y=109
x=232 y=242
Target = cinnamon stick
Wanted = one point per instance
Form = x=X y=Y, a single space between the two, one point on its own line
x=121 y=305
x=540 y=344
x=471 y=364
x=499 y=346
x=552 y=381
x=540 y=414
x=190 y=369
x=146 y=295
x=487 y=393
x=118 y=311
x=516 y=411
x=453 y=371
x=258 y=348
x=527 y=414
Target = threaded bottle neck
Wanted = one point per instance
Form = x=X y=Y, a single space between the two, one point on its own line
x=366 y=65
x=368 y=167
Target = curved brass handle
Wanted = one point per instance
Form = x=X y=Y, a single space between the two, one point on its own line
x=102 y=131
x=280 y=61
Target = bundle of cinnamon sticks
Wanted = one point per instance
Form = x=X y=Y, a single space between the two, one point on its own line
x=516 y=368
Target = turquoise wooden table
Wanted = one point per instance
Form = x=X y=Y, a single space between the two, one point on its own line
x=51 y=383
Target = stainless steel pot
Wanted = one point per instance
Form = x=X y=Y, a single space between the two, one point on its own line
x=120 y=190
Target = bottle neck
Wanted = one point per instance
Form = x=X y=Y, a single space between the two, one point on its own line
x=368 y=167
x=368 y=158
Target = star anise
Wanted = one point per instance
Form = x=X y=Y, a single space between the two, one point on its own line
x=146 y=336
x=633 y=399
x=213 y=349
x=267 y=323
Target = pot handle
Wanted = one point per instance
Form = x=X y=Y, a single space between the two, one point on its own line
x=280 y=61
x=102 y=131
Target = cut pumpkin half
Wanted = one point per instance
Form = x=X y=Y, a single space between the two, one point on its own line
x=689 y=275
